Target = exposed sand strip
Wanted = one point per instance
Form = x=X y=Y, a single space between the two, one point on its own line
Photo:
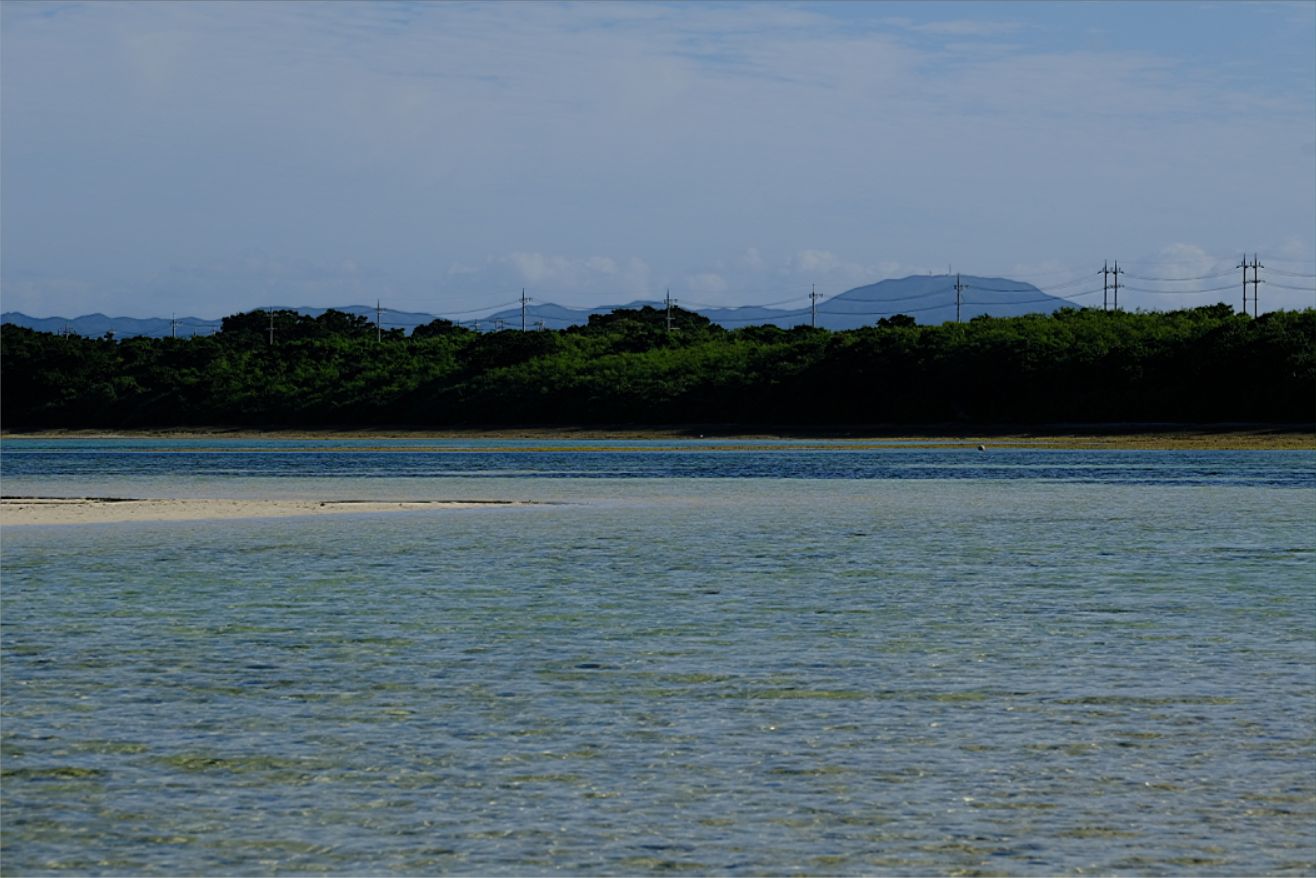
x=1133 y=437
x=101 y=510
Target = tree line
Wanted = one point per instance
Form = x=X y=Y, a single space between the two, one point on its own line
x=628 y=367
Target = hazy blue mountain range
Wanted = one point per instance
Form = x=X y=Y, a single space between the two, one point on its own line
x=929 y=299
x=161 y=327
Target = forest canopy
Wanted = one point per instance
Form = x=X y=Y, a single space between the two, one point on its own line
x=630 y=368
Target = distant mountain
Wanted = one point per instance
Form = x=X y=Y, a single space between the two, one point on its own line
x=929 y=299
x=390 y=318
x=553 y=316
x=96 y=325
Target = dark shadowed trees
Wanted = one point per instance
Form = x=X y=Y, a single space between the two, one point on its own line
x=1201 y=364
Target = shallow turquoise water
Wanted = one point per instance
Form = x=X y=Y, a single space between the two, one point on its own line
x=888 y=661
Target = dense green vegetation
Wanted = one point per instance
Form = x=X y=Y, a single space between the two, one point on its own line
x=1203 y=365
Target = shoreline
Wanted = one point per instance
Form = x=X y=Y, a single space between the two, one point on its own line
x=1147 y=437
x=22 y=511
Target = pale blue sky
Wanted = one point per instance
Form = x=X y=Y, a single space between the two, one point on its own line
x=205 y=158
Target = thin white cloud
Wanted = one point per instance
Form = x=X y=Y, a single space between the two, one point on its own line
x=1186 y=260
x=816 y=260
x=536 y=267
x=706 y=282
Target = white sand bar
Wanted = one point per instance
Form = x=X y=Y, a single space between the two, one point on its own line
x=100 y=510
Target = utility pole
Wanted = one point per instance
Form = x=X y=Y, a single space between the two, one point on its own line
x=668 y=301
x=271 y=327
x=813 y=305
x=1116 y=272
x=523 y=301
x=1105 y=285
x=173 y=325
x=379 y=331
x=1256 y=281
x=959 y=288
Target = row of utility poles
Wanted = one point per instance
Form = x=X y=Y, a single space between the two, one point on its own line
x=1110 y=298
x=1110 y=283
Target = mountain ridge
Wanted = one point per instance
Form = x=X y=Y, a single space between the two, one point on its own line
x=929 y=299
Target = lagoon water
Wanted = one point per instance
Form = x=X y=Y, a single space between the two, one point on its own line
x=788 y=658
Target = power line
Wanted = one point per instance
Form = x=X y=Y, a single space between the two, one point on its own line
x=782 y=302
x=473 y=310
x=1091 y=292
x=1294 y=261
x=998 y=289
x=1178 y=292
x=887 y=313
x=1182 y=279
x=1078 y=279
x=896 y=299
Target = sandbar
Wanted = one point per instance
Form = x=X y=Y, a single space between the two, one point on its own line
x=1121 y=436
x=17 y=511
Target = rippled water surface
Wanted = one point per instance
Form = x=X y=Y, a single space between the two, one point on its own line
x=704 y=657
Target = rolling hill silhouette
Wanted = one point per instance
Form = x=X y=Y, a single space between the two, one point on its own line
x=929 y=299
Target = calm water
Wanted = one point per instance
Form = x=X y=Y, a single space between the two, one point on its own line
x=791 y=658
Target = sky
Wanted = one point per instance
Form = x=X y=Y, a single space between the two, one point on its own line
x=209 y=158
